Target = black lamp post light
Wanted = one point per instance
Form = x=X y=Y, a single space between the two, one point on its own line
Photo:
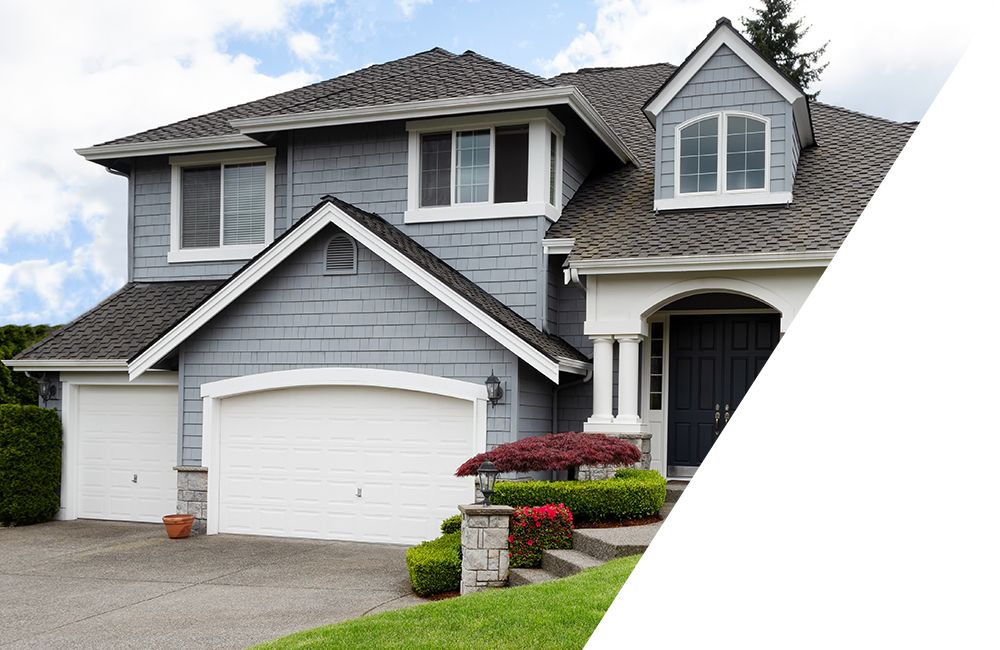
x=487 y=479
x=494 y=392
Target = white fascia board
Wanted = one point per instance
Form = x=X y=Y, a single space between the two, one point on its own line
x=184 y=145
x=75 y=365
x=727 y=36
x=721 y=200
x=752 y=261
x=574 y=366
x=558 y=246
x=522 y=99
x=327 y=214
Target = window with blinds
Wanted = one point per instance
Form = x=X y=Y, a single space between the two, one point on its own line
x=341 y=255
x=223 y=205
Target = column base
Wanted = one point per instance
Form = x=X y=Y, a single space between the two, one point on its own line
x=614 y=428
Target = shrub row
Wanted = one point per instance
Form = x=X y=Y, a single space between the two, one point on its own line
x=436 y=566
x=536 y=528
x=630 y=494
x=452 y=524
x=30 y=464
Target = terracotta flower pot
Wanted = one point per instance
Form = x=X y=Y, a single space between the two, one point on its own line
x=178 y=526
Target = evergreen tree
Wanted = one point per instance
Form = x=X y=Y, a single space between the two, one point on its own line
x=15 y=387
x=777 y=37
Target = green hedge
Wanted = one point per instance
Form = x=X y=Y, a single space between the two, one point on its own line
x=30 y=463
x=631 y=494
x=436 y=566
x=452 y=524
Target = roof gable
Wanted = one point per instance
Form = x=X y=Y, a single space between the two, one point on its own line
x=724 y=35
x=546 y=353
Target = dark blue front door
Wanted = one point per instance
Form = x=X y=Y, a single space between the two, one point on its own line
x=713 y=361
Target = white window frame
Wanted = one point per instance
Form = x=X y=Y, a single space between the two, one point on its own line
x=722 y=196
x=540 y=123
x=221 y=252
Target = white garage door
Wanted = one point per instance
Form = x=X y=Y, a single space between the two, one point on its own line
x=342 y=462
x=127 y=451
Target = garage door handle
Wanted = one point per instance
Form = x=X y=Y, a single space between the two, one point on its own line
x=359 y=493
x=135 y=478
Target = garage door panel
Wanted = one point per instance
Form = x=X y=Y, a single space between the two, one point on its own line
x=126 y=432
x=400 y=448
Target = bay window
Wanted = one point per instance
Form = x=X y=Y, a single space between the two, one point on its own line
x=483 y=167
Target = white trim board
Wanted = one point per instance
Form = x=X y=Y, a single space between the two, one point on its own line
x=812 y=259
x=180 y=145
x=326 y=214
x=77 y=365
x=725 y=34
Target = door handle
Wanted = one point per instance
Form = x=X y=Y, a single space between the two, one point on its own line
x=717 y=416
x=135 y=478
x=725 y=419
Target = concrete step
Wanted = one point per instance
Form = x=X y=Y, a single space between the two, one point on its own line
x=610 y=543
x=675 y=488
x=520 y=577
x=667 y=507
x=564 y=562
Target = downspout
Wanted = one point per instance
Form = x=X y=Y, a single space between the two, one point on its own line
x=555 y=401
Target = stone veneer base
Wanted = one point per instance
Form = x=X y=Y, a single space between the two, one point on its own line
x=192 y=495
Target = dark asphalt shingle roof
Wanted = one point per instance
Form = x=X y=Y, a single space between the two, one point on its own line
x=124 y=323
x=551 y=345
x=434 y=74
x=611 y=216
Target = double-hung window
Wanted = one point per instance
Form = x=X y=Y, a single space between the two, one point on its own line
x=485 y=167
x=722 y=153
x=222 y=208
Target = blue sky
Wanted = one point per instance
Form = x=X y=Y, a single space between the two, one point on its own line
x=112 y=68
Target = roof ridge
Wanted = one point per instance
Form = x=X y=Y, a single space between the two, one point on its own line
x=369 y=82
x=606 y=68
x=284 y=92
x=877 y=118
x=507 y=66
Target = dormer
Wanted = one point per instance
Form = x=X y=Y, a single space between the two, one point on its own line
x=729 y=128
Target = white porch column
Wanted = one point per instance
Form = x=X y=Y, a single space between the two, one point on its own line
x=603 y=379
x=628 y=379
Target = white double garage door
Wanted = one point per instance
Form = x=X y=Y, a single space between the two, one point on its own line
x=344 y=454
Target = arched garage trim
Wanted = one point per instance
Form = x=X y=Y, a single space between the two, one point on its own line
x=214 y=392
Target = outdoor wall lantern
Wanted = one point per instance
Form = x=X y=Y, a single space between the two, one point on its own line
x=494 y=392
x=487 y=479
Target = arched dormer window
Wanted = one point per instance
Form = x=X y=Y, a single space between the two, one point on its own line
x=731 y=147
x=341 y=255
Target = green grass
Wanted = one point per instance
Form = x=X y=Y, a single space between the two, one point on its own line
x=558 y=614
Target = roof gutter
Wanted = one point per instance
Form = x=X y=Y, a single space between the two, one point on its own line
x=751 y=261
x=76 y=365
x=162 y=147
x=561 y=95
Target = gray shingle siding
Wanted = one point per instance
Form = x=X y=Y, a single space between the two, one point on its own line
x=534 y=400
x=725 y=82
x=578 y=160
x=298 y=316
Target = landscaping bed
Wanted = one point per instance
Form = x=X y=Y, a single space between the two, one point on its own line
x=558 y=614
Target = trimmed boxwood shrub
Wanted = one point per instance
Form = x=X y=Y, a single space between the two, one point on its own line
x=536 y=528
x=630 y=494
x=30 y=464
x=436 y=566
x=452 y=524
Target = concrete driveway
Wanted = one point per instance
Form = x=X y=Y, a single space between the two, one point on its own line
x=90 y=584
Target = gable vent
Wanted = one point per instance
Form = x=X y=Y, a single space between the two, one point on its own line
x=341 y=255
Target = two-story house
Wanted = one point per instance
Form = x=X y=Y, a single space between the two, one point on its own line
x=321 y=282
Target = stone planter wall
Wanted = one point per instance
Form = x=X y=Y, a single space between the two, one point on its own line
x=596 y=472
x=485 y=560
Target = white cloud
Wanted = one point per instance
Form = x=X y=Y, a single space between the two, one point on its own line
x=409 y=7
x=306 y=46
x=104 y=70
x=887 y=58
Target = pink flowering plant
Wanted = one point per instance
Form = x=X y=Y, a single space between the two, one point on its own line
x=536 y=528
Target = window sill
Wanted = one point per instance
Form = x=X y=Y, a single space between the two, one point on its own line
x=481 y=211
x=226 y=254
x=730 y=200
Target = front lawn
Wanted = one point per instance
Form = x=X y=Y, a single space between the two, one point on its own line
x=558 y=614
